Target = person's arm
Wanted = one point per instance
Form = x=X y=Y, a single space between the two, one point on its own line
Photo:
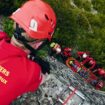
x=38 y=71
x=44 y=77
x=34 y=76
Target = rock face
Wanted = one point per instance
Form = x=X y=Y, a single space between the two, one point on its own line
x=62 y=87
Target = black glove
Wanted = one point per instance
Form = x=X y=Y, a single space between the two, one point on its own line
x=45 y=66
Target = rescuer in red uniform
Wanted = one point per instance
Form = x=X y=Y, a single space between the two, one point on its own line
x=35 y=22
x=86 y=60
x=55 y=49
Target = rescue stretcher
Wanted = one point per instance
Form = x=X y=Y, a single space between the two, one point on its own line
x=77 y=67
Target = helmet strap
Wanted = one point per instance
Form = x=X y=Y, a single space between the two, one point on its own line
x=18 y=34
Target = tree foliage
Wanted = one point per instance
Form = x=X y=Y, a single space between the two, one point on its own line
x=99 y=5
x=83 y=4
x=80 y=28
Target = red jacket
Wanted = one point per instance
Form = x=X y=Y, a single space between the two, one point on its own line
x=17 y=73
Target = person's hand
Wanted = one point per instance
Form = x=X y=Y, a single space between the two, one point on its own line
x=44 y=78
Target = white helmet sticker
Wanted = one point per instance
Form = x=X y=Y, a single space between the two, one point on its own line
x=84 y=55
x=33 y=25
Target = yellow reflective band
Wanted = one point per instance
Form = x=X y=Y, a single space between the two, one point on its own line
x=4 y=81
x=52 y=44
x=4 y=71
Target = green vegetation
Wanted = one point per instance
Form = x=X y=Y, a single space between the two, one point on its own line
x=8 y=26
x=78 y=27
x=99 y=5
x=83 y=4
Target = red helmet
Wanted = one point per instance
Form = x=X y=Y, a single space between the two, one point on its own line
x=101 y=71
x=37 y=18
